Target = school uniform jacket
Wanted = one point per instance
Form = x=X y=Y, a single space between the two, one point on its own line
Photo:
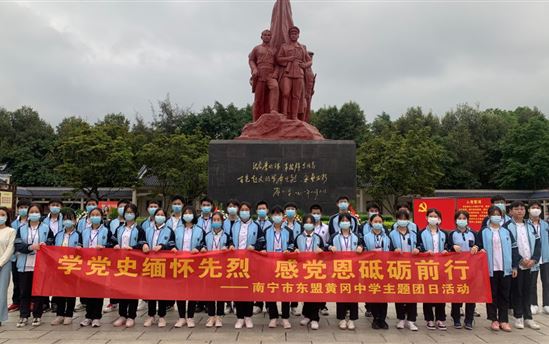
x=298 y=228
x=59 y=228
x=224 y=242
x=425 y=240
x=228 y=225
x=509 y=247
x=466 y=240
x=170 y=223
x=22 y=249
x=75 y=239
x=267 y=242
x=205 y=225
x=370 y=242
x=104 y=237
x=333 y=224
x=544 y=240
x=396 y=239
x=197 y=237
x=252 y=235
x=148 y=223
x=335 y=241
x=301 y=242
x=166 y=237
x=137 y=236
x=533 y=240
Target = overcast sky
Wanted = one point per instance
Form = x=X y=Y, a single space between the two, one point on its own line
x=89 y=59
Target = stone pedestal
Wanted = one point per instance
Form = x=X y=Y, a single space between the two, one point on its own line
x=305 y=172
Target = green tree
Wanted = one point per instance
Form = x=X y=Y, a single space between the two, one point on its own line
x=345 y=123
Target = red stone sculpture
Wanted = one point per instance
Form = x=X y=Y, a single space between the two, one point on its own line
x=283 y=82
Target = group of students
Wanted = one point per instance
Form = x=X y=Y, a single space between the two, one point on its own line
x=517 y=249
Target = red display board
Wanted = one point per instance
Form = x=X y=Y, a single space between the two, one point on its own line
x=447 y=206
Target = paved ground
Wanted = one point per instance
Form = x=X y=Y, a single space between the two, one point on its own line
x=328 y=332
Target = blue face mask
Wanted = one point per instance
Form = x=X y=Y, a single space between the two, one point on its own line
x=290 y=213
x=501 y=206
x=403 y=223
x=89 y=208
x=23 y=211
x=176 y=208
x=232 y=210
x=152 y=211
x=206 y=209
x=55 y=210
x=68 y=224
x=216 y=224
x=377 y=226
x=159 y=219
x=245 y=215
x=262 y=212
x=129 y=216
x=95 y=220
x=188 y=217
x=308 y=227
x=277 y=219
x=34 y=217
x=461 y=223
x=120 y=211
x=496 y=219
x=3 y=220
x=345 y=225
x=343 y=205
x=317 y=217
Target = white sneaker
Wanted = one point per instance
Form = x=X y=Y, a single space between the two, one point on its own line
x=532 y=324
x=149 y=322
x=295 y=312
x=96 y=323
x=412 y=326
x=161 y=322
x=248 y=322
x=190 y=322
x=272 y=323
x=110 y=308
x=534 y=309
x=67 y=321
x=314 y=325
x=119 y=322
x=343 y=324
x=351 y=325
x=22 y=322
x=546 y=309
x=239 y=323
x=218 y=322
x=286 y=324
x=304 y=321
x=519 y=323
x=86 y=322
x=57 y=321
x=130 y=323
x=180 y=323
x=79 y=307
x=257 y=310
x=401 y=324
x=142 y=305
x=36 y=322
x=210 y=322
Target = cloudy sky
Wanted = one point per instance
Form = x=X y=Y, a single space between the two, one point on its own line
x=92 y=58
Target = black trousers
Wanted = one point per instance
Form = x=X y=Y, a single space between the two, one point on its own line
x=259 y=304
x=406 y=311
x=439 y=313
x=311 y=309
x=186 y=309
x=127 y=308
x=294 y=304
x=521 y=289
x=215 y=308
x=162 y=308
x=469 y=312
x=544 y=274
x=25 y=297
x=498 y=310
x=273 y=310
x=94 y=308
x=343 y=307
x=244 y=309
x=65 y=306
x=379 y=311
x=16 y=297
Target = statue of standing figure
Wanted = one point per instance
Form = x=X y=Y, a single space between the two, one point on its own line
x=264 y=78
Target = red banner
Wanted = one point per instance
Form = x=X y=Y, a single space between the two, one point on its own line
x=447 y=206
x=477 y=209
x=250 y=275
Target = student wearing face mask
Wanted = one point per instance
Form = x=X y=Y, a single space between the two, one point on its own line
x=404 y=239
x=231 y=221
x=216 y=240
x=130 y=236
x=21 y=219
x=30 y=237
x=373 y=209
x=433 y=240
x=54 y=219
x=68 y=237
x=541 y=226
x=159 y=237
x=245 y=237
x=187 y=239
x=377 y=241
x=500 y=202
x=463 y=239
x=502 y=253
x=277 y=239
x=324 y=232
x=291 y=224
x=263 y=222
x=205 y=218
x=149 y=222
x=7 y=240
x=177 y=204
x=84 y=221
x=309 y=241
x=343 y=206
x=405 y=206
x=346 y=241
x=98 y=237
x=529 y=249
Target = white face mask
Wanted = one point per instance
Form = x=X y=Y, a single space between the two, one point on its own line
x=535 y=212
x=433 y=221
